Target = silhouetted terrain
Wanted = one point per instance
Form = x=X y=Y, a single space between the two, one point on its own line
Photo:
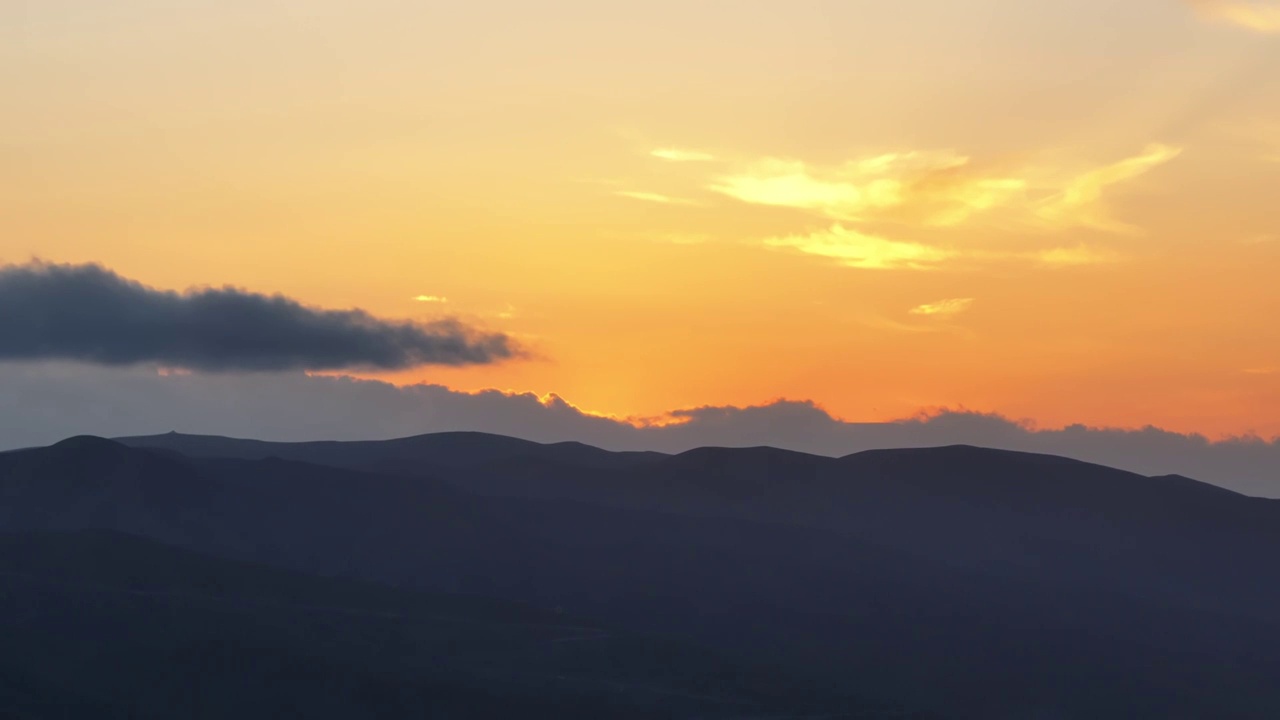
x=997 y=511
x=411 y=455
x=964 y=582
x=99 y=624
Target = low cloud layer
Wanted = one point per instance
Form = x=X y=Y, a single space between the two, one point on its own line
x=41 y=403
x=90 y=314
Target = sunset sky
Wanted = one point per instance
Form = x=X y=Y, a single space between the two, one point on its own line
x=1064 y=212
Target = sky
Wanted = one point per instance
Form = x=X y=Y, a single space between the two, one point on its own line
x=1058 y=213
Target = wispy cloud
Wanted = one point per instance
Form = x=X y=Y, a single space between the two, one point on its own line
x=654 y=197
x=934 y=188
x=861 y=250
x=943 y=308
x=856 y=249
x=938 y=189
x=1263 y=17
x=680 y=155
x=430 y=299
x=1079 y=203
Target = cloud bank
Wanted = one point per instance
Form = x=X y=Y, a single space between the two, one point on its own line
x=90 y=314
x=41 y=403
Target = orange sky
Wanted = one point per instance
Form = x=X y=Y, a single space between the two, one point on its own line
x=1057 y=211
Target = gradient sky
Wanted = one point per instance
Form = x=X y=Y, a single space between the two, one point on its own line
x=1058 y=211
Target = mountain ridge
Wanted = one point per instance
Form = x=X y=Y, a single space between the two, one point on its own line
x=917 y=577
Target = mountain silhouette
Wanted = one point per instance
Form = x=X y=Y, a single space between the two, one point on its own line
x=996 y=511
x=100 y=624
x=409 y=455
x=964 y=582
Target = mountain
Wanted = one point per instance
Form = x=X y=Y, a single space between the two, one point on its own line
x=411 y=455
x=101 y=625
x=965 y=582
x=993 y=511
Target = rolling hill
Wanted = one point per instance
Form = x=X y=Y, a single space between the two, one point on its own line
x=963 y=582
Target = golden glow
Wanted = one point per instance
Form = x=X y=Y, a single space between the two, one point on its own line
x=758 y=206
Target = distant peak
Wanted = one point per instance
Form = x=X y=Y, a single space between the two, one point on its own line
x=86 y=442
x=754 y=453
x=89 y=447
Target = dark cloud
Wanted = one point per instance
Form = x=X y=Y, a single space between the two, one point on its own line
x=41 y=403
x=90 y=314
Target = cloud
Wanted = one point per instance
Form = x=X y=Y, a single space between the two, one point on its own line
x=431 y=299
x=856 y=249
x=678 y=155
x=654 y=197
x=937 y=189
x=90 y=314
x=860 y=250
x=1249 y=465
x=1263 y=17
x=943 y=308
x=41 y=403
x=1078 y=204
